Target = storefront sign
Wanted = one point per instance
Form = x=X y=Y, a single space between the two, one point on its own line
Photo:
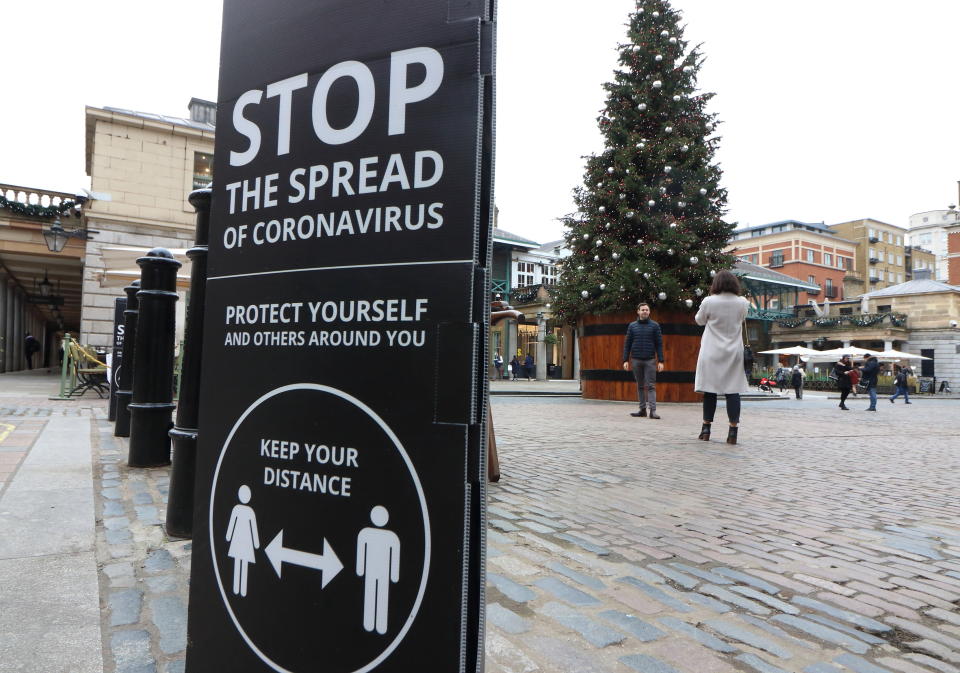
x=119 y=306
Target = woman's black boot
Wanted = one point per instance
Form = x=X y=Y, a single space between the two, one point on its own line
x=705 y=432
x=732 y=435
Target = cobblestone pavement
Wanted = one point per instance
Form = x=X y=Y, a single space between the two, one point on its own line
x=825 y=541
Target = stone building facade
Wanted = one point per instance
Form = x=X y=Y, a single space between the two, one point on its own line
x=142 y=168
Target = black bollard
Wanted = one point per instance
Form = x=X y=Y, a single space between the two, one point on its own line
x=152 y=404
x=184 y=433
x=125 y=368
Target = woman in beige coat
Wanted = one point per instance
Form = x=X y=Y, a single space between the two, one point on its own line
x=720 y=363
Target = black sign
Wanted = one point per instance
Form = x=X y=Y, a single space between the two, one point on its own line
x=119 y=306
x=340 y=498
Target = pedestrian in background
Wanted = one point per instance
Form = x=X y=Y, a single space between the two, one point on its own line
x=841 y=372
x=498 y=364
x=643 y=352
x=528 y=365
x=796 y=380
x=720 y=368
x=868 y=377
x=781 y=377
x=30 y=346
x=515 y=367
x=900 y=381
x=854 y=381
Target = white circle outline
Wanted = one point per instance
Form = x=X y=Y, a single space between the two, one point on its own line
x=416 y=481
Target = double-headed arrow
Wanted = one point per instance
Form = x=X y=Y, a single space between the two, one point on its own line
x=327 y=563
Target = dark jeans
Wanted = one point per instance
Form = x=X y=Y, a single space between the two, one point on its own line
x=710 y=407
x=901 y=390
x=872 y=391
x=798 y=391
x=844 y=392
x=645 y=373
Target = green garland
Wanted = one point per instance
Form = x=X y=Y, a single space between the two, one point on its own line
x=861 y=320
x=35 y=210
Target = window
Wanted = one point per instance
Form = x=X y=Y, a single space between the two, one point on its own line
x=548 y=274
x=810 y=256
x=847 y=263
x=202 y=170
x=846 y=310
x=828 y=288
x=776 y=259
x=890 y=277
x=899 y=260
x=925 y=239
x=883 y=309
x=872 y=233
x=827 y=259
x=899 y=277
x=873 y=253
x=524 y=274
x=757 y=232
x=899 y=241
x=812 y=280
x=889 y=258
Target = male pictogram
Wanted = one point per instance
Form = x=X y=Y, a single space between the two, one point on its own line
x=378 y=562
x=243 y=539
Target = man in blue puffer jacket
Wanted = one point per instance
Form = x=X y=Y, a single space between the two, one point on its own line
x=643 y=352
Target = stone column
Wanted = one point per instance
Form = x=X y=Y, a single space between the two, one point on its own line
x=887 y=344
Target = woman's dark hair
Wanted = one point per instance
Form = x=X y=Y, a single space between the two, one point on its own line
x=725 y=281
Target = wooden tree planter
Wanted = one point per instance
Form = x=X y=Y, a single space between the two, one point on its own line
x=601 y=347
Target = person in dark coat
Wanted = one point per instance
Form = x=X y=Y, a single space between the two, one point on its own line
x=841 y=370
x=901 y=383
x=515 y=367
x=30 y=346
x=796 y=380
x=781 y=377
x=868 y=378
x=643 y=352
x=528 y=365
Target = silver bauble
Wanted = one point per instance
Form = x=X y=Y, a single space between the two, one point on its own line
x=698 y=292
x=616 y=255
x=688 y=302
x=586 y=237
x=636 y=270
x=694 y=260
x=599 y=242
x=655 y=15
x=599 y=184
x=662 y=296
x=684 y=148
x=639 y=241
x=584 y=294
x=622 y=288
x=669 y=251
x=673 y=225
x=657 y=84
x=687 y=68
x=658 y=58
x=651 y=203
x=630 y=213
x=703 y=192
x=668 y=129
x=642 y=107
x=667 y=169
x=682 y=204
x=628 y=171
x=676 y=99
x=610 y=169
x=602 y=209
x=713 y=273
x=596 y=258
x=673 y=40
x=623 y=196
x=646 y=275
x=664 y=33
x=663 y=190
x=603 y=286
x=580 y=268
x=636 y=47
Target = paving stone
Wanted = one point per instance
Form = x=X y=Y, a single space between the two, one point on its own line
x=945 y=615
x=593 y=632
x=506 y=620
x=684 y=580
x=536 y=527
x=505 y=526
x=776 y=631
x=131 y=652
x=116 y=523
x=112 y=508
x=851 y=604
x=142 y=498
x=148 y=514
x=688 y=656
x=865 y=623
x=846 y=628
x=823 y=633
x=905 y=666
x=510 y=589
x=702 y=574
x=124 y=606
x=178 y=666
x=111 y=493
x=584 y=544
x=747 y=579
x=565 y=592
x=743 y=635
x=638 y=628
x=117 y=536
x=755 y=662
x=118 y=570
x=502 y=513
x=564 y=657
x=578 y=577
x=822 y=668
x=158 y=560
x=730 y=597
x=498 y=538
x=700 y=636
x=711 y=603
x=925 y=632
x=761 y=597
x=859 y=665
x=161 y=584
x=932 y=663
x=646 y=664
x=656 y=594
x=170 y=618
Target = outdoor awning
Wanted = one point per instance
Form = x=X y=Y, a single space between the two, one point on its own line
x=120 y=265
x=792 y=350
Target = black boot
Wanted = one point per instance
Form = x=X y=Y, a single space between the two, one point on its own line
x=732 y=435
x=705 y=432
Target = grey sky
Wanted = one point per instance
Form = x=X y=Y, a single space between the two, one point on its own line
x=830 y=109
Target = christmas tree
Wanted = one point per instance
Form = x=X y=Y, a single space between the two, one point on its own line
x=649 y=225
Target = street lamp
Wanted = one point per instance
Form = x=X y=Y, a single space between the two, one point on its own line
x=45 y=286
x=56 y=236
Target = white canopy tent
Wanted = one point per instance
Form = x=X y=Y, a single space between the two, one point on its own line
x=120 y=265
x=792 y=350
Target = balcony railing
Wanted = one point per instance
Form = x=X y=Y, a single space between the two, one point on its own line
x=814 y=292
x=29 y=202
x=859 y=320
x=830 y=293
x=874 y=279
x=873 y=260
x=776 y=261
x=873 y=239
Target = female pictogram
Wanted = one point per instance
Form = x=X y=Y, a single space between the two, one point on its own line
x=243 y=539
x=378 y=563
